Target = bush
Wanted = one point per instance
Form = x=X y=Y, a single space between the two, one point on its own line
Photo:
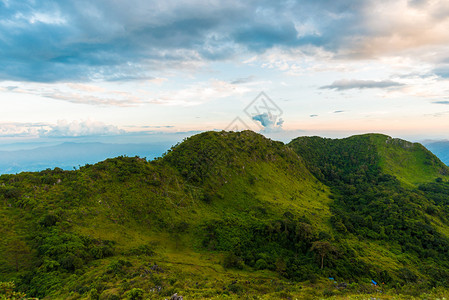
x=232 y=261
x=12 y=193
x=94 y=295
x=49 y=220
x=142 y=250
x=134 y=294
x=101 y=249
x=235 y=288
x=261 y=264
x=328 y=293
x=116 y=267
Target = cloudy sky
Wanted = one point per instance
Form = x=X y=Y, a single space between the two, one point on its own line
x=118 y=69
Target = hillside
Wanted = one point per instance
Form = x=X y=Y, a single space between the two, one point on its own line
x=211 y=201
x=231 y=213
x=388 y=194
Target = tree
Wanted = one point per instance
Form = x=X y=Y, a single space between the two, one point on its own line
x=17 y=252
x=322 y=248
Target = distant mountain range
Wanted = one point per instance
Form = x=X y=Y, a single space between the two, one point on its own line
x=72 y=155
x=440 y=149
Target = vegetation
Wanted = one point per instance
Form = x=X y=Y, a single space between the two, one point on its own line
x=376 y=202
x=231 y=214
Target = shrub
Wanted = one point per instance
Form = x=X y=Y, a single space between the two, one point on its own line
x=94 y=295
x=232 y=261
x=261 y=264
x=235 y=288
x=328 y=293
x=116 y=267
x=142 y=250
x=49 y=220
x=134 y=294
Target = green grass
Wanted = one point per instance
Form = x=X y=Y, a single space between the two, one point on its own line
x=410 y=162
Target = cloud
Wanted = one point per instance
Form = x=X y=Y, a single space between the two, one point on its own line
x=79 y=94
x=199 y=93
x=12 y=129
x=154 y=126
x=243 y=80
x=79 y=128
x=313 y=116
x=51 y=41
x=345 y=84
x=62 y=128
x=48 y=41
x=441 y=102
x=108 y=94
x=338 y=111
x=269 y=122
x=442 y=71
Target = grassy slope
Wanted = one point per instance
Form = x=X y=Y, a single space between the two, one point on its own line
x=133 y=203
x=245 y=172
x=410 y=162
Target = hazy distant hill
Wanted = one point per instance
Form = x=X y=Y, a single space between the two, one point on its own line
x=232 y=214
x=440 y=149
x=70 y=155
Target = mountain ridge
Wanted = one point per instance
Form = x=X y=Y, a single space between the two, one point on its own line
x=227 y=205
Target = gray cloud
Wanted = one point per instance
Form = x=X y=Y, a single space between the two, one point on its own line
x=417 y=3
x=442 y=71
x=344 y=84
x=441 y=102
x=49 y=41
x=243 y=80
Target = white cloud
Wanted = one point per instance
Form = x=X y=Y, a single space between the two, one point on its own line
x=62 y=128
x=270 y=122
x=108 y=94
x=201 y=92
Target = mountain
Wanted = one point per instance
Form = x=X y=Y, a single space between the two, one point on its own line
x=388 y=194
x=440 y=149
x=370 y=155
x=232 y=213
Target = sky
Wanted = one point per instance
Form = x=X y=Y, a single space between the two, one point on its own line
x=140 y=70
